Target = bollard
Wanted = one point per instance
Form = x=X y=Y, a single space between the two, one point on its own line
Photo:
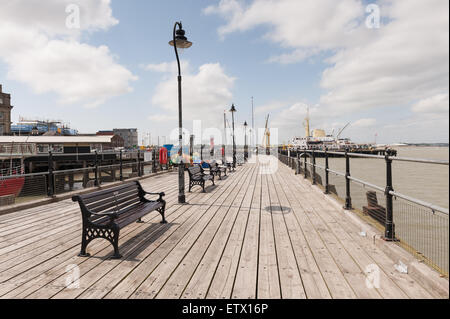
x=327 y=186
x=348 y=199
x=389 y=228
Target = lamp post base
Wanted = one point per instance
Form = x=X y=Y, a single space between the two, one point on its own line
x=181 y=199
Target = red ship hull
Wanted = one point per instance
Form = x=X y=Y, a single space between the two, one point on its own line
x=11 y=186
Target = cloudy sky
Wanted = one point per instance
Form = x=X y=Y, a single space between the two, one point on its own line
x=388 y=77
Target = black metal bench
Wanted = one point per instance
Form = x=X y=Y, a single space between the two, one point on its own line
x=217 y=169
x=373 y=209
x=198 y=177
x=105 y=212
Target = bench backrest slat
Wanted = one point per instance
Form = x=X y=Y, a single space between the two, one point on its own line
x=106 y=198
x=95 y=196
x=115 y=198
x=113 y=203
x=195 y=170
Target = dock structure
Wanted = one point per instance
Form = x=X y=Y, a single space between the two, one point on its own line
x=256 y=234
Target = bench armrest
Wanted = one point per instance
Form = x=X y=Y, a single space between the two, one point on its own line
x=160 y=195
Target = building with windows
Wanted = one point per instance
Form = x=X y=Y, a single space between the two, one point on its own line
x=5 y=113
x=129 y=135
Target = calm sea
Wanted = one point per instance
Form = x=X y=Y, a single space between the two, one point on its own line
x=427 y=182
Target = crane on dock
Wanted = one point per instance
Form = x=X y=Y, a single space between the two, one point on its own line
x=342 y=130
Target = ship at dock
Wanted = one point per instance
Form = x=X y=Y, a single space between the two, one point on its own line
x=318 y=139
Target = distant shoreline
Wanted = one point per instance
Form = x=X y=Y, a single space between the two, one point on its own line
x=424 y=144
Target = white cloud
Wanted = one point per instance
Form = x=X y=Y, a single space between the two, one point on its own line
x=399 y=64
x=435 y=104
x=367 y=122
x=168 y=67
x=42 y=52
x=206 y=94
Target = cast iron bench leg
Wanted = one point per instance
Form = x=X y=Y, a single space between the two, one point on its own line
x=84 y=244
x=115 y=243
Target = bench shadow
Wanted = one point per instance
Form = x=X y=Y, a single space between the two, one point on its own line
x=210 y=188
x=223 y=178
x=278 y=209
x=132 y=247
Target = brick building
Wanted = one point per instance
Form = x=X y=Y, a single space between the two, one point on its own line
x=5 y=113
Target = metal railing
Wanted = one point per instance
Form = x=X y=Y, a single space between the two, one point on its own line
x=417 y=225
x=19 y=188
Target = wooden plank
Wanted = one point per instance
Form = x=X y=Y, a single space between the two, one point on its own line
x=312 y=279
x=204 y=228
x=392 y=283
x=203 y=211
x=222 y=282
x=204 y=255
x=290 y=280
x=27 y=275
x=268 y=277
x=247 y=273
x=336 y=282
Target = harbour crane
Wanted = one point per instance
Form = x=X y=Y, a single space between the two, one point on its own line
x=340 y=132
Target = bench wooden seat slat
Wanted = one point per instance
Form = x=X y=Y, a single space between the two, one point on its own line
x=105 y=212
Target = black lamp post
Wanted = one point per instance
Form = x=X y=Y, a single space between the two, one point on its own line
x=180 y=41
x=232 y=110
x=245 y=142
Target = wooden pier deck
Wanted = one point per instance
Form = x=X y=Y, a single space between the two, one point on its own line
x=252 y=236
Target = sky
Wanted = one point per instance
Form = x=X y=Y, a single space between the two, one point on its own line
x=382 y=66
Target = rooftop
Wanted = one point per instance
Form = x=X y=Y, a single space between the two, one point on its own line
x=56 y=139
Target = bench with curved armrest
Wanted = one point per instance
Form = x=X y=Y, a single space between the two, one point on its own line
x=105 y=212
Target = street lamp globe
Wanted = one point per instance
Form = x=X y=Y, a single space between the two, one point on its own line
x=180 y=40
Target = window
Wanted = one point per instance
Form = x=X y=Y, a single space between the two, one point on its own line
x=1 y=101
x=57 y=148
x=1 y=129
x=42 y=148
x=1 y=115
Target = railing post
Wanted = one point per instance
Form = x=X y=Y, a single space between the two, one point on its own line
x=327 y=186
x=121 y=166
x=154 y=167
x=313 y=168
x=51 y=177
x=96 y=182
x=348 y=199
x=297 y=167
x=389 y=230
x=306 y=157
x=139 y=163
